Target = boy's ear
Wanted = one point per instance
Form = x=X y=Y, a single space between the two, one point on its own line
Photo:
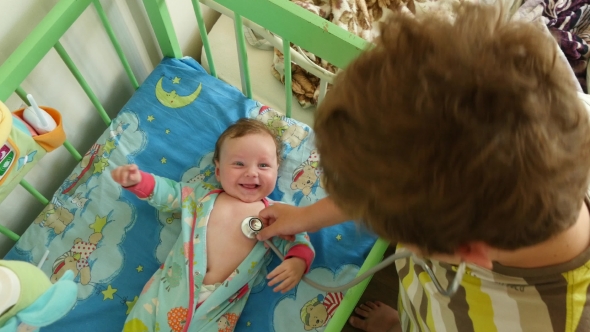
x=477 y=253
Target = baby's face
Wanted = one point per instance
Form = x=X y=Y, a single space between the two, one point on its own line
x=247 y=167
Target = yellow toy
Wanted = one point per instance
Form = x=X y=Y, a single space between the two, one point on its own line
x=21 y=145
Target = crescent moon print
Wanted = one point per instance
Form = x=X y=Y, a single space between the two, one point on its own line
x=173 y=100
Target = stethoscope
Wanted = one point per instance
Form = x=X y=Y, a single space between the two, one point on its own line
x=252 y=225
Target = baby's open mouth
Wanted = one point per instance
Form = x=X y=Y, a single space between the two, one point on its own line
x=250 y=186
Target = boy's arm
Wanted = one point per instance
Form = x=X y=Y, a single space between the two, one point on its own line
x=285 y=220
x=162 y=193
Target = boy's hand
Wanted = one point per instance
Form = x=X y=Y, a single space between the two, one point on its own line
x=127 y=175
x=288 y=274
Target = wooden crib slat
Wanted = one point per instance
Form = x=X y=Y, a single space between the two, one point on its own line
x=74 y=70
x=242 y=56
x=204 y=37
x=10 y=234
x=301 y=27
x=353 y=295
x=22 y=61
x=323 y=90
x=162 y=25
x=116 y=44
x=34 y=192
x=288 y=79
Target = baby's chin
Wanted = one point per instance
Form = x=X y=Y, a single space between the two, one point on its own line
x=257 y=197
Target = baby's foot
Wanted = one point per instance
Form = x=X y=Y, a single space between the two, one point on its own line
x=377 y=317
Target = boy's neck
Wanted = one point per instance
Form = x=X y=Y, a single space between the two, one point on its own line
x=560 y=248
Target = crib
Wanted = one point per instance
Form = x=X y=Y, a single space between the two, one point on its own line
x=181 y=102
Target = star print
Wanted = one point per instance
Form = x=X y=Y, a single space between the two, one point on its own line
x=151 y=118
x=130 y=305
x=167 y=131
x=109 y=146
x=163 y=160
x=253 y=264
x=139 y=269
x=339 y=237
x=176 y=80
x=108 y=293
x=100 y=165
x=248 y=324
x=207 y=172
x=98 y=224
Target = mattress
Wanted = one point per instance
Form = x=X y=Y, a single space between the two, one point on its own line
x=114 y=242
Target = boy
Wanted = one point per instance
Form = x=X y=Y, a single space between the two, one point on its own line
x=461 y=141
x=222 y=263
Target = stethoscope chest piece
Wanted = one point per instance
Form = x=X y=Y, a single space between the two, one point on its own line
x=251 y=226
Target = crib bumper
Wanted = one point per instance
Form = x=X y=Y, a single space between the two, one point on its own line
x=20 y=150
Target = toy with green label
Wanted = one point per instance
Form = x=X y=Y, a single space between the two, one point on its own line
x=26 y=135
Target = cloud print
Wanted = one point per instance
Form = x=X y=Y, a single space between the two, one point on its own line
x=305 y=294
x=95 y=206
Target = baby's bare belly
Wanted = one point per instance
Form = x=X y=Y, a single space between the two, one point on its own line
x=225 y=256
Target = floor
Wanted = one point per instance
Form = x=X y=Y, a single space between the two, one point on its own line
x=383 y=287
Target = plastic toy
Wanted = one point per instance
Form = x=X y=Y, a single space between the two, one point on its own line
x=22 y=144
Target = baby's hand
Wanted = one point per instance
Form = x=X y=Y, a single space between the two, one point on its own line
x=288 y=274
x=127 y=175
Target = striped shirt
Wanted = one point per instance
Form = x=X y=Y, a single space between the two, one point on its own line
x=553 y=299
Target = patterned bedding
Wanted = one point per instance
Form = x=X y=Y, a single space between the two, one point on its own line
x=114 y=242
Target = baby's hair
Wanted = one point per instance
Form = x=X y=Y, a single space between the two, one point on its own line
x=244 y=127
x=445 y=134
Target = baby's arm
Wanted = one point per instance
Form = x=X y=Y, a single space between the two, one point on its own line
x=160 y=192
x=297 y=262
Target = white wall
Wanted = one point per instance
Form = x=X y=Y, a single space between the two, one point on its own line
x=53 y=85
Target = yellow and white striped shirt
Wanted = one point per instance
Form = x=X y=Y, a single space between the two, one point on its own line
x=552 y=299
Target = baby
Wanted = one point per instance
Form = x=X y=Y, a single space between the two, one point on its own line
x=212 y=253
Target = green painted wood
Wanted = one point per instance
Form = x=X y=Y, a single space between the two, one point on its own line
x=353 y=295
x=74 y=70
x=22 y=95
x=10 y=234
x=46 y=34
x=162 y=24
x=288 y=79
x=116 y=44
x=302 y=28
x=243 y=56
x=204 y=36
x=72 y=150
x=34 y=192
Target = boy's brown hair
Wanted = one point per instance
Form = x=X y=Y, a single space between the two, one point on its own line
x=244 y=127
x=444 y=134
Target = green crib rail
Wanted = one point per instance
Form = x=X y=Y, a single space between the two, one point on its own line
x=293 y=23
x=33 y=49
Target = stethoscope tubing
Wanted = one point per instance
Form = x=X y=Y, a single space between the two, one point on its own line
x=252 y=225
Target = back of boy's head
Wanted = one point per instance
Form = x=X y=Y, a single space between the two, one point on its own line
x=244 y=127
x=446 y=134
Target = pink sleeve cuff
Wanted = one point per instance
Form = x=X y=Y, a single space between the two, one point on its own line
x=301 y=251
x=144 y=188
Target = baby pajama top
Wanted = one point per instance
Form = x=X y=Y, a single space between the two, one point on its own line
x=168 y=301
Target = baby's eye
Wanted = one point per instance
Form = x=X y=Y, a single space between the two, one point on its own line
x=264 y=165
x=239 y=163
